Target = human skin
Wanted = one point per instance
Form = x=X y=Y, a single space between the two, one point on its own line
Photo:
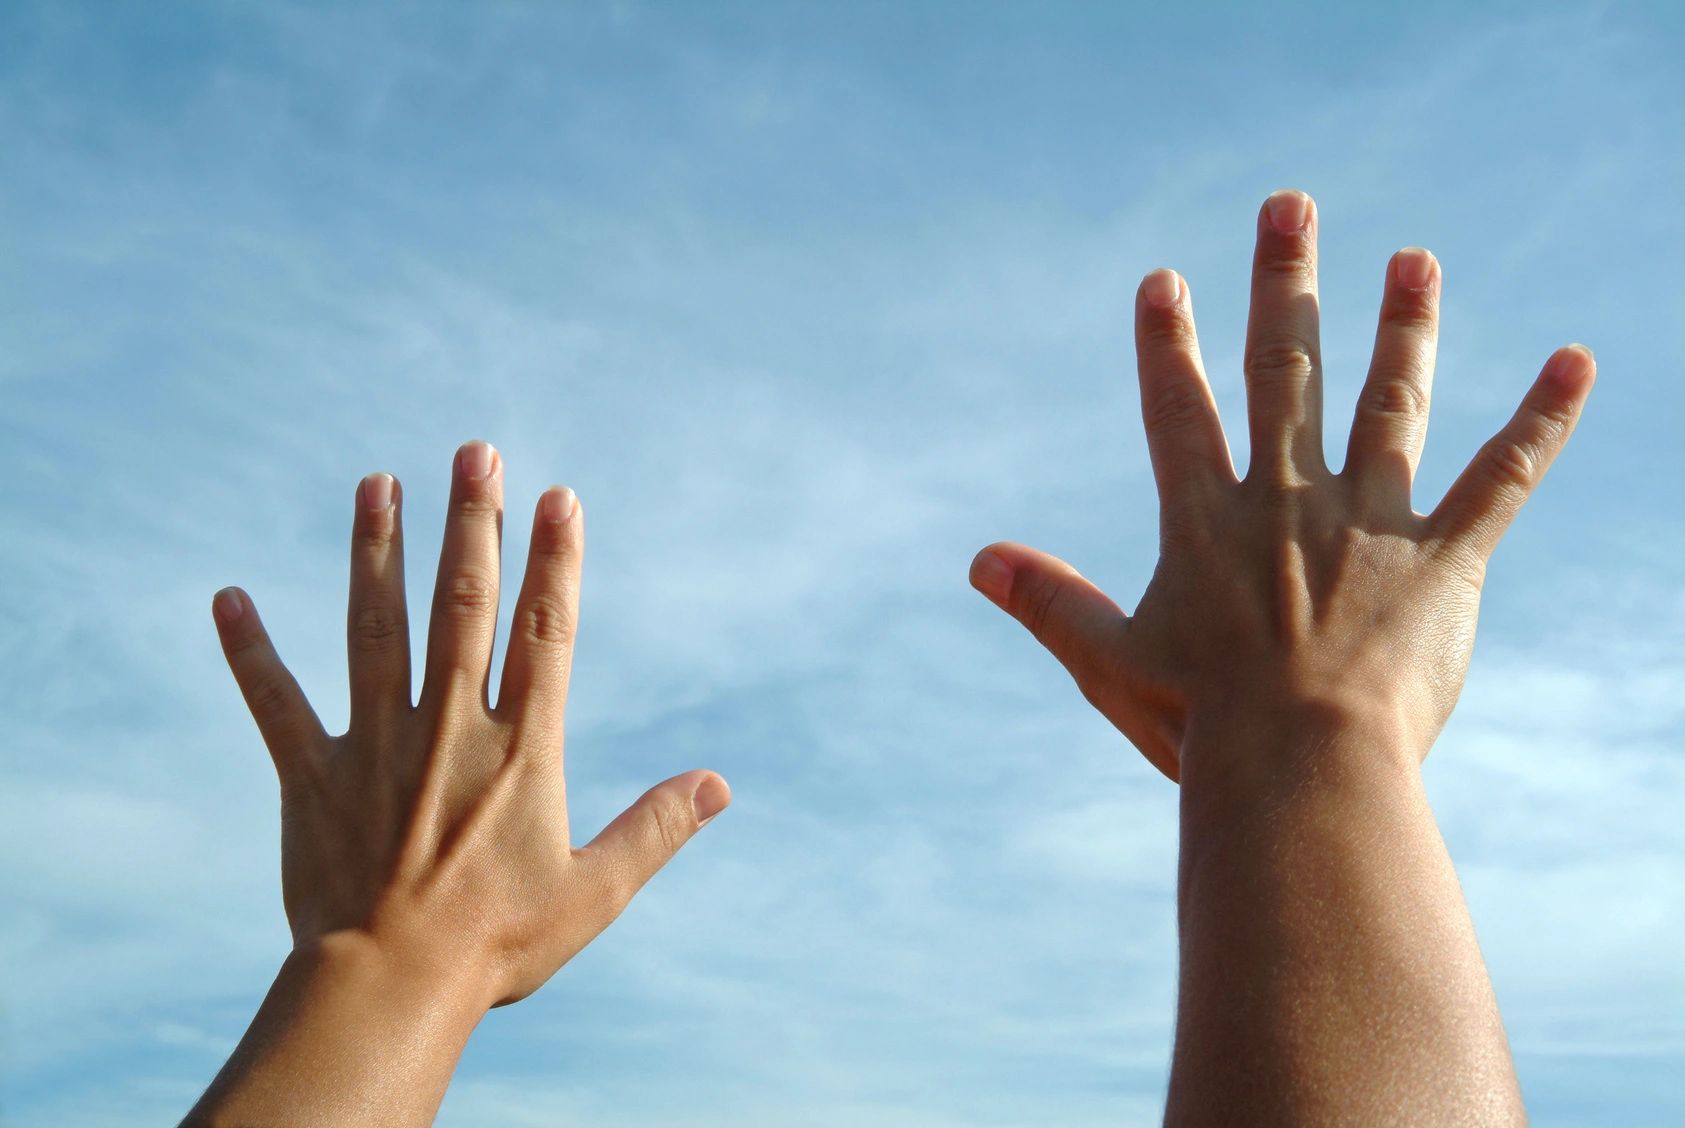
x=1298 y=649
x=426 y=866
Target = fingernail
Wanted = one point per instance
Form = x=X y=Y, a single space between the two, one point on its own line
x=992 y=576
x=475 y=460
x=1162 y=288
x=1569 y=364
x=556 y=506
x=1415 y=268
x=377 y=492
x=1289 y=211
x=709 y=799
x=228 y=605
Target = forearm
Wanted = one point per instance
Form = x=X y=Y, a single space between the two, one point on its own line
x=1329 y=968
x=344 y=1037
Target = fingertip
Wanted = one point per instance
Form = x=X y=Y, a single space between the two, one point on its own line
x=1289 y=210
x=991 y=574
x=477 y=460
x=712 y=795
x=557 y=505
x=375 y=492
x=1162 y=289
x=1571 y=369
x=1414 y=268
x=228 y=606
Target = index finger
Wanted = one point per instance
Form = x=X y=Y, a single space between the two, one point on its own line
x=1184 y=434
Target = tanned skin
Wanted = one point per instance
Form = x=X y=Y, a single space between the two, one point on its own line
x=1295 y=655
x=427 y=868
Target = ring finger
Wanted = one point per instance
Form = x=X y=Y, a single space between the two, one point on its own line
x=1392 y=410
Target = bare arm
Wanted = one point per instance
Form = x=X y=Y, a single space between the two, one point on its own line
x=347 y=1036
x=426 y=865
x=1329 y=970
x=1299 y=648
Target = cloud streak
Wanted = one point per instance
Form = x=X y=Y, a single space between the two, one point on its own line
x=806 y=312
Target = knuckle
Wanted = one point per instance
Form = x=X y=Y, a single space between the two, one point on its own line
x=375 y=531
x=1281 y=362
x=1168 y=331
x=550 y=543
x=670 y=827
x=1177 y=406
x=269 y=695
x=375 y=627
x=470 y=593
x=1289 y=261
x=1511 y=466
x=480 y=505
x=247 y=644
x=1412 y=312
x=1396 y=395
x=1038 y=604
x=544 y=619
x=1283 y=494
x=1555 y=416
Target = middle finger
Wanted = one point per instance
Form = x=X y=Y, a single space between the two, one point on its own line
x=1283 y=360
x=378 y=628
x=464 y=620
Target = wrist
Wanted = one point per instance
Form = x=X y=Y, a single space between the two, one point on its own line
x=408 y=979
x=1274 y=744
x=351 y=1032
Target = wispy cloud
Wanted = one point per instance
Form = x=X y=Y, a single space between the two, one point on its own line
x=807 y=309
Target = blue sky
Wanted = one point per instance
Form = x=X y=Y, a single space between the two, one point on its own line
x=808 y=303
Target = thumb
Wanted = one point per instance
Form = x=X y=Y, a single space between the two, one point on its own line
x=646 y=835
x=1075 y=620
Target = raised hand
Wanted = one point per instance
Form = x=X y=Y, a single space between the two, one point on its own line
x=427 y=849
x=1298 y=648
x=1294 y=588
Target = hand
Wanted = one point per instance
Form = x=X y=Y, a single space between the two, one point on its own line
x=438 y=833
x=1295 y=589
